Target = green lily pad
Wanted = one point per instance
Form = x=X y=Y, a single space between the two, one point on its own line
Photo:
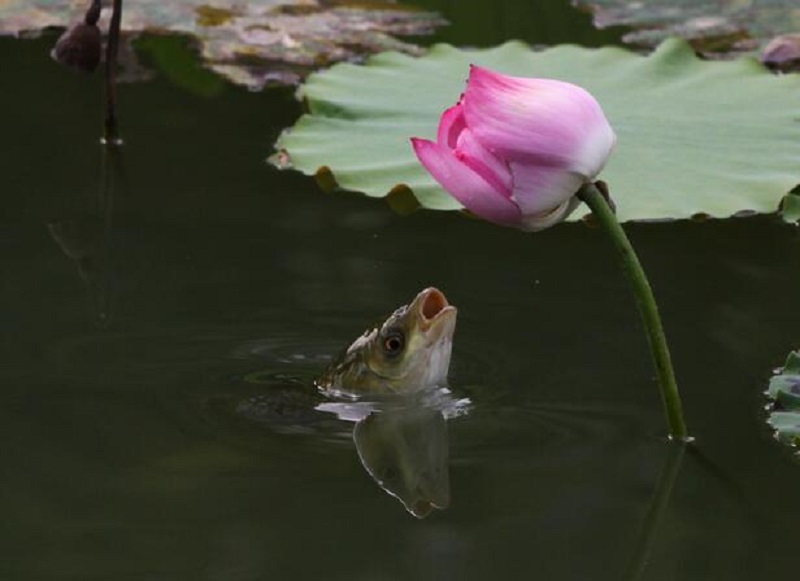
x=784 y=392
x=784 y=388
x=711 y=25
x=694 y=137
x=250 y=43
x=786 y=426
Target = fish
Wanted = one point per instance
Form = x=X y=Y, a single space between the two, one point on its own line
x=407 y=353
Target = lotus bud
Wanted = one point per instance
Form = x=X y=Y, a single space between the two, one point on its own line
x=515 y=150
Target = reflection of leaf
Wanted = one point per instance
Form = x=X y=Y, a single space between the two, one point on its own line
x=711 y=25
x=784 y=390
x=693 y=136
x=255 y=42
x=176 y=61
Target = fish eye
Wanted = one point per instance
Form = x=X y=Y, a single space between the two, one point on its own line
x=393 y=343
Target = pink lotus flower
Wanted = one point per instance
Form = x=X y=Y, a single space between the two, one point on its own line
x=515 y=150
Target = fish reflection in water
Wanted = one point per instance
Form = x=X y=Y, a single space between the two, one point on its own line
x=403 y=445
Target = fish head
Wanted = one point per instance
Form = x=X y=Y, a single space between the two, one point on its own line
x=410 y=351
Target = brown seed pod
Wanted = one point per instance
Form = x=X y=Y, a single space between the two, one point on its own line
x=79 y=47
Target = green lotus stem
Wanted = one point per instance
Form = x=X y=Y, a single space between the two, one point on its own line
x=671 y=399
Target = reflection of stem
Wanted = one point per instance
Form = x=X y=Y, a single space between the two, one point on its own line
x=648 y=309
x=655 y=514
x=111 y=136
x=87 y=238
x=754 y=519
x=112 y=170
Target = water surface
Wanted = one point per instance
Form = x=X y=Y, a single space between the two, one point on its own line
x=125 y=352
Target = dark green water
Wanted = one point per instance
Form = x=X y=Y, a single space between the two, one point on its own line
x=124 y=456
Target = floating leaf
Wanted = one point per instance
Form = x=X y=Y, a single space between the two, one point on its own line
x=784 y=391
x=784 y=388
x=786 y=426
x=251 y=43
x=693 y=136
x=711 y=25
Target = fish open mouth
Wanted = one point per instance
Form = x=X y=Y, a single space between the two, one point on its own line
x=432 y=306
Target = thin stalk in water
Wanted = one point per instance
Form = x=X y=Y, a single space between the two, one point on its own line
x=670 y=397
x=111 y=135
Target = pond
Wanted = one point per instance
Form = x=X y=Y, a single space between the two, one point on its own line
x=142 y=321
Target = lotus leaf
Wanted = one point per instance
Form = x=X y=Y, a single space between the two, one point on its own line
x=786 y=426
x=784 y=391
x=250 y=43
x=784 y=388
x=711 y=25
x=694 y=136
